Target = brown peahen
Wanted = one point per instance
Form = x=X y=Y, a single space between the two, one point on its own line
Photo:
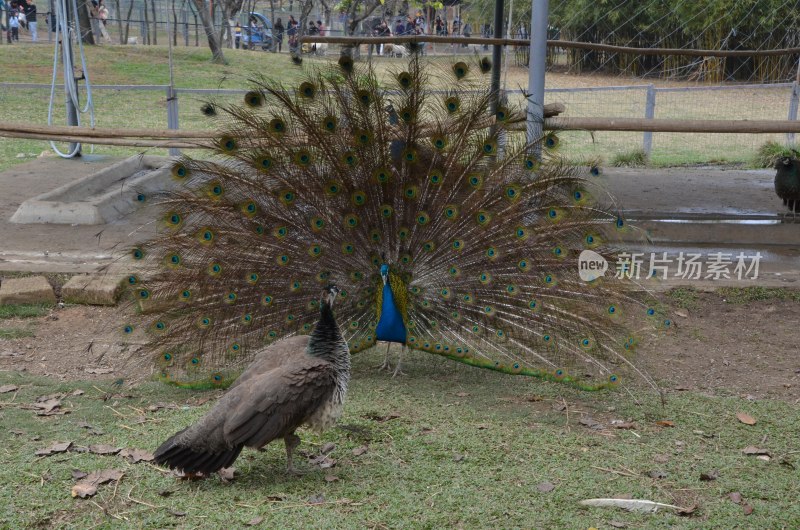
x=445 y=229
x=787 y=182
x=302 y=380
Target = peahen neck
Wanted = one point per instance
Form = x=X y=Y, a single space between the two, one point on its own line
x=326 y=342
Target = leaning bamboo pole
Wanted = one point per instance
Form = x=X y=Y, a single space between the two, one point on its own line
x=202 y=139
x=421 y=39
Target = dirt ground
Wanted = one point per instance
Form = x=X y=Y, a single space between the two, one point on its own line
x=719 y=348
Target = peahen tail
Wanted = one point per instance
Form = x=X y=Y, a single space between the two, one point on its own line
x=446 y=230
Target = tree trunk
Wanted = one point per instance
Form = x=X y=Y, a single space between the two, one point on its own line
x=118 y=12
x=155 y=21
x=124 y=36
x=305 y=9
x=174 y=25
x=216 y=51
x=85 y=23
x=146 y=26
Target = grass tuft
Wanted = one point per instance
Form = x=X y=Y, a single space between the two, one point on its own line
x=14 y=333
x=771 y=151
x=684 y=297
x=745 y=295
x=635 y=158
x=23 y=310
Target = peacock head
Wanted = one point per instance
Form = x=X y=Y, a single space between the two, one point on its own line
x=783 y=162
x=329 y=295
x=385 y=273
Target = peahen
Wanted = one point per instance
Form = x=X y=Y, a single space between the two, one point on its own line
x=787 y=182
x=301 y=380
x=446 y=231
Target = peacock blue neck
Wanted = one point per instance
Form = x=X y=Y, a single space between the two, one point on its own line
x=391 y=327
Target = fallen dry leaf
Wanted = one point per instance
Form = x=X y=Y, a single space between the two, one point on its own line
x=459 y=458
x=177 y=513
x=735 y=497
x=545 y=487
x=135 y=456
x=8 y=388
x=331 y=478
x=745 y=418
x=617 y=524
x=88 y=485
x=689 y=510
x=83 y=490
x=665 y=423
x=77 y=474
x=255 y=521
x=58 y=447
x=747 y=509
x=617 y=424
x=77 y=392
x=657 y=474
x=103 y=449
x=462 y=394
x=753 y=450
x=358 y=451
x=327 y=448
x=590 y=422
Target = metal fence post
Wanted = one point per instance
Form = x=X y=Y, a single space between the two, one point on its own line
x=794 y=102
x=649 y=114
x=172 y=116
x=536 y=72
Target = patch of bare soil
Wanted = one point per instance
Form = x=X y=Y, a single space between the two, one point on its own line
x=747 y=350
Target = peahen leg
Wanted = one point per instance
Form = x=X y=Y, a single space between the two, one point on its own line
x=291 y=441
x=397 y=369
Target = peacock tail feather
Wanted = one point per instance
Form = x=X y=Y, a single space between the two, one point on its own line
x=332 y=179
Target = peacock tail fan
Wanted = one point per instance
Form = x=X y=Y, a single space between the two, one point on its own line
x=350 y=173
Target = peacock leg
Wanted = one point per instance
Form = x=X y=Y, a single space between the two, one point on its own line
x=291 y=441
x=397 y=369
x=385 y=366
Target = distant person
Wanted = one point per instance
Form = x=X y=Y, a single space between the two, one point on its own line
x=456 y=26
x=399 y=29
x=237 y=35
x=312 y=28
x=440 y=27
x=321 y=28
x=279 y=29
x=487 y=34
x=30 y=15
x=102 y=15
x=13 y=26
x=291 y=26
x=467 y=32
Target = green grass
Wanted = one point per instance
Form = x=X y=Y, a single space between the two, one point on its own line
x=770 y=152
x=23 y=310
x=148 y=65
x=507 y=429
x=684 y=297
x=745 y=295
x=15 y=333
x=635 y=158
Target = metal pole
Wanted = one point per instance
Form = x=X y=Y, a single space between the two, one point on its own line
x=497 y=54
x=649 y=114
x=70 y=86
x=536 y=69
x=172 y=96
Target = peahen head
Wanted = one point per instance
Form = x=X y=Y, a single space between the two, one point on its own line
x=328 y=296
x=785 y=163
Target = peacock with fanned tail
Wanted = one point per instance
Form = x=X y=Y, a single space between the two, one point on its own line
x=444 y=229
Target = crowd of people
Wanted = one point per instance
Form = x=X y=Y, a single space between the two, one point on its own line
x=21 y=14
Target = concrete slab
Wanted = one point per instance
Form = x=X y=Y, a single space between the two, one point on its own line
x=99 y=289
x=99 y=198
x=30 y=290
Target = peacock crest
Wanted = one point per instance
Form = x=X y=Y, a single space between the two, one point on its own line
x=445 y=230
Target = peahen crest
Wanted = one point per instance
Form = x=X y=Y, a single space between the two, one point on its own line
x=443 y=228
